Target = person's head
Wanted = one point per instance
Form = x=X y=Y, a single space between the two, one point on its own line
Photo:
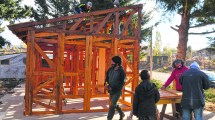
x=116 y=3
x=194 y=65
x=89 y=5
x=144 y=75
x=178 y=64
x=116 y=60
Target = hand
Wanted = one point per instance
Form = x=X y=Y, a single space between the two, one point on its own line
x=163 y=88
x=107 y=87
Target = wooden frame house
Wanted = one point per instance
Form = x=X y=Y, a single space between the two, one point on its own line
x=67 y=59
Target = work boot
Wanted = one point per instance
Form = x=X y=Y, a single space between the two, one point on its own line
x=122 y=115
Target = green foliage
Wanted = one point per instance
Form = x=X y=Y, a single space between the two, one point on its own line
x=158 y=83
x=47 y=9
x=4 y=42
x=211 y=42
x=11 y=10
x=158 y=43
x=194 y=14
x=210 y=95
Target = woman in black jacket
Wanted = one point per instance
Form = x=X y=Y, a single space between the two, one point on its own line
x=145 y=98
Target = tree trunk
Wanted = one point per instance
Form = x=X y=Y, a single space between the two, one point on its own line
x=183 y=37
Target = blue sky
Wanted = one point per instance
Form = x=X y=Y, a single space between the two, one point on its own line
x=168 y=36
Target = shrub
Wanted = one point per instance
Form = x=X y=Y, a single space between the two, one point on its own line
x=210 y=95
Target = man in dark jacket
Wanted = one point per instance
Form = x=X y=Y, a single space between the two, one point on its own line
x=114 y=84
x=145 y=98
x=193 y=82
x=83 y=7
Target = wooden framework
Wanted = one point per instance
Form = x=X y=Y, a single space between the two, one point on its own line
x=67 y=59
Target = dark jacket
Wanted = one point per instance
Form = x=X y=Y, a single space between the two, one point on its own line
x=81 y=8
x=115 y=79
x=145 y=98
x=193 y=82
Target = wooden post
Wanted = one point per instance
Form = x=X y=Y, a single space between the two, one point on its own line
x=29 y=73
x=94 y=60
x=60 y=71
x=101 y=71
x=88 y=73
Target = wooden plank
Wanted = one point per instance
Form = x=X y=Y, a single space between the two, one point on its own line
x=126 y=46
x=88 y=66
x=101 y=25
x=104 y=45
x=43 y=73
x=101 y=69
x=42 y=112
x=42 y=85
x=50 y=62
x=91 y=24
x=75 y=37
x=76 y=24
x=126 y=41
x=128 y=21
x=46 y=40
x=116 y=25
x=72 y=96
x=44 y=105
x=45 y=34
x=29 y=24
x=135 y=65
x=74 y=42
x=60 y=72
x=27 y=85
x=127 y=62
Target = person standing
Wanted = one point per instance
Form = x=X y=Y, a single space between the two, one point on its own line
x=114 y=83
x=83 y=8
x=193 y=82
x=179 y=68
x=145 y=97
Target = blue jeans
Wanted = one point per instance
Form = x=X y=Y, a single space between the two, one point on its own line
x=198 y=112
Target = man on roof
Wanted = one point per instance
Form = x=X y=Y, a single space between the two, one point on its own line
x=83 y=8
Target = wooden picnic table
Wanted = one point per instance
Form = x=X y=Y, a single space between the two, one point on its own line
x=169 y=97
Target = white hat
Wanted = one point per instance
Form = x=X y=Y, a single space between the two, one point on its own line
x=89 y=4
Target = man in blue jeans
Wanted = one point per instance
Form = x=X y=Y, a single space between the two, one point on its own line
x=193 y=82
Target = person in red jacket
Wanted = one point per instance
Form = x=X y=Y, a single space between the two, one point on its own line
x=179 y=68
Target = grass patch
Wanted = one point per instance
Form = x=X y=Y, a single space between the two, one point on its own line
x=210 y=95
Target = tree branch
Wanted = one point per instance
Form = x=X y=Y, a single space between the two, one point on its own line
x=174 y=29
x=202 y=33
x=201 y=25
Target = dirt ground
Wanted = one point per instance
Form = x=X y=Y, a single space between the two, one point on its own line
x=210 y=107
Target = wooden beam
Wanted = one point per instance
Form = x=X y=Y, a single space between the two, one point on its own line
x=75 y=37
x=29 y=24
x=44 y=105
x=76 y=24
x=88 y=74
x=128 y=21
x=50 y=62
x=60 y=72
x=101 y=25
x=74 y=42
x=46 y=40
x=45 y=34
